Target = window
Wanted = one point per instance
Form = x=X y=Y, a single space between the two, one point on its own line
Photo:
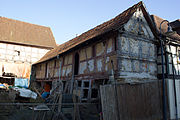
x=94 y=93
x=85 y=93
x=86 y=84
x=79 y=83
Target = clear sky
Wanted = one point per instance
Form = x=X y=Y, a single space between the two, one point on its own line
x=68 y=18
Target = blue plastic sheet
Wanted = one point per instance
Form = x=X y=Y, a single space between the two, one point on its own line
x=22 y=82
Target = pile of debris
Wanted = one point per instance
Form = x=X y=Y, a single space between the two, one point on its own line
x=9 y=93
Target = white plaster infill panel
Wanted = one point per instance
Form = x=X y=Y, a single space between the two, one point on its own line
x=134 y=46
x=68 y=70
x=91 y=65
x=138 y=25
x=99 y=65
x=83 y=67
x=124 y=45
x=126 y=65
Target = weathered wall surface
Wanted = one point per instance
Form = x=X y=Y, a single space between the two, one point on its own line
x=100 y=60
x=67 y=65
x=131 y=102
x=17 y=59
x=138 y=25
x=137 y=51
x=94 y=58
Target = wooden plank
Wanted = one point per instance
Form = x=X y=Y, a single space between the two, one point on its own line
x=135 y=102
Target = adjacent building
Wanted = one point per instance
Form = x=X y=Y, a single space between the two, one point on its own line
x=171 y=57
x=21 y=45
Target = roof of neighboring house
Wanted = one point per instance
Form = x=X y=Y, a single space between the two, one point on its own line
x=108 y=26
x=176 y=26
x=157 y=20
x=18 y=32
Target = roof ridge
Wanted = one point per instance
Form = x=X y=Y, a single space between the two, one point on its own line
x=26 y=33
x=24 y=22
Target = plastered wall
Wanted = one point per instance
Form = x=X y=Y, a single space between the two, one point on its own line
x=137 y=51
x=94 y=58
x=17 y=59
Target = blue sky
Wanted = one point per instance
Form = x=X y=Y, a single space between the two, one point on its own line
x=67 y=18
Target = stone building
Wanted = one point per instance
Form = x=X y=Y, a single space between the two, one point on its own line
x=21 y=44
x=122 y=49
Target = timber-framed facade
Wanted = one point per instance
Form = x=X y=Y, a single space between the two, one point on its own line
x=118 y=50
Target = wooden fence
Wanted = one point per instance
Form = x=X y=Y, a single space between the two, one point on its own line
x=131 y=102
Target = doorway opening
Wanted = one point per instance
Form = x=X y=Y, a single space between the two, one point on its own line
x=76 y=64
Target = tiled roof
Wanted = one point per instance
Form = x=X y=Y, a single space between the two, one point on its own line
x=112 y=24
x=14 y=31
x=157 y=21
x=176 y=26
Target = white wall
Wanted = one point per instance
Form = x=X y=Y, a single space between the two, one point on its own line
x=17 y=59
